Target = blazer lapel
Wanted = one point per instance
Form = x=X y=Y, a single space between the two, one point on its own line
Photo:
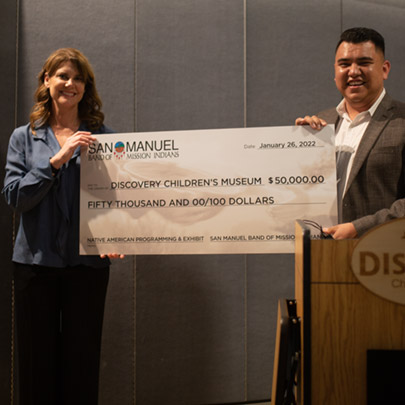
x=378 y=122
x=43 y=135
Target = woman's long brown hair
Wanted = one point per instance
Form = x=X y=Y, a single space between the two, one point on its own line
x=90 y=104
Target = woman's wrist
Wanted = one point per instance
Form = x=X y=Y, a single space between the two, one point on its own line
x=55 y=164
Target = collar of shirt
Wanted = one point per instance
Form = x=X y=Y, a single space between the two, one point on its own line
x=363 y=116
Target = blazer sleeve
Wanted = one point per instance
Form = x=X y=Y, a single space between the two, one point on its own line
x=363 y=224
x=25 y=186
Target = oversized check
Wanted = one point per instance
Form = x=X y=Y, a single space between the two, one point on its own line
x=205 y=191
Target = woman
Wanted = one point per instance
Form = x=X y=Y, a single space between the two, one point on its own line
x=59 y=295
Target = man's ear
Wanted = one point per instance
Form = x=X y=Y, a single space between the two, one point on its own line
x=386 y=69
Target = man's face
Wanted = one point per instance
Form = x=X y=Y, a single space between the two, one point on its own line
x=360 y=71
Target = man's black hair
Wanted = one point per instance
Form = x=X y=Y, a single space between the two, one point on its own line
x=358 y=35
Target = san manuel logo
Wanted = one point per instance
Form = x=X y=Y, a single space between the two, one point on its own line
x=133 y=150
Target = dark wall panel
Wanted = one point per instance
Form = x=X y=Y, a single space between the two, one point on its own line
x=189 y=71
x=190 y=329
x=387 y=17
x=102 y=30
x=290 y=54
x=8 y=31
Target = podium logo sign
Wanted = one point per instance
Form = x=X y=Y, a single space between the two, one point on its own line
x=378 y=260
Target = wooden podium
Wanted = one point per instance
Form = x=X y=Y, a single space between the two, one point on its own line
x=340 y=321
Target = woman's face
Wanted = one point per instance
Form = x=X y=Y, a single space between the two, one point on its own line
x=66 y=86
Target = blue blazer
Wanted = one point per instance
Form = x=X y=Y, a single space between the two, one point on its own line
x=47 y=202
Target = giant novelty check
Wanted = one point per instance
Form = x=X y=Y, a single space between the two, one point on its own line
x=205 y=191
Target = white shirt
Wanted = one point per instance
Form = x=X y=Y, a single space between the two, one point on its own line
x=348 y=136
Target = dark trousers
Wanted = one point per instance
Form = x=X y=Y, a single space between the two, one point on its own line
x=59 y=326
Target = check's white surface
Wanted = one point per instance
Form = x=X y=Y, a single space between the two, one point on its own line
x=205 y=191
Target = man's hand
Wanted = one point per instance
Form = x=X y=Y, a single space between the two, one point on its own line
x=314 y=121
x=341 y=231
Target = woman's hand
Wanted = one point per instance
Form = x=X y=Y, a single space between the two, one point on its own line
x=80 y=138
x=112 y=256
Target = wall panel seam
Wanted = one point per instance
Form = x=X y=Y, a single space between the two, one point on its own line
x=134 y=327
x=245 y=264
x=246 y=331
x=134 y=257
x=135 y=65
x=244 y=64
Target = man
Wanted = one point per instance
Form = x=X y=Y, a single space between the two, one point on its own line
x=370 y=136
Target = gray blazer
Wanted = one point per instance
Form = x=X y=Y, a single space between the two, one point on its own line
x=375 y=191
